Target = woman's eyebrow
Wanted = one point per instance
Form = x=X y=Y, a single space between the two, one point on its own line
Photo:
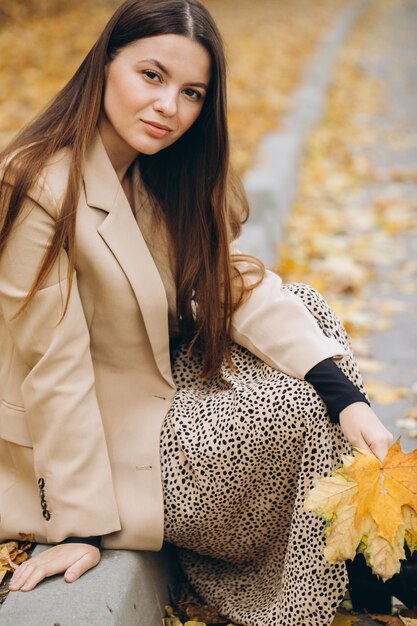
x=165 y=70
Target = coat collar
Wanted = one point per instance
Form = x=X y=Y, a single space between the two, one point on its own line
x=121 y=233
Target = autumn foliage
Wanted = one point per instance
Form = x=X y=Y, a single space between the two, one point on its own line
x=370 y=507
x=13 y=553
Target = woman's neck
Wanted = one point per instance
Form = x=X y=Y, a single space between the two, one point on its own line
x=121 y=155
x=127 y=184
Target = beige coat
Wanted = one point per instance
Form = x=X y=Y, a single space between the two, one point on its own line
x=83 y=401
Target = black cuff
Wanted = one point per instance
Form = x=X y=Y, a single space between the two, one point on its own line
x=334 y=388
x=92 y=541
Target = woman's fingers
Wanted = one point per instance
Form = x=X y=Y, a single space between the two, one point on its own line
x=381 y=445
x=362 y=445
x=364 y=430
x=73 y=559
x=86 y=562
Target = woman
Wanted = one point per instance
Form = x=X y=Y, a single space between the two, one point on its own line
x=153 y=383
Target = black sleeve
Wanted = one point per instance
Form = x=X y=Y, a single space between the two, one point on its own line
x=334 y=388
x=92 y=541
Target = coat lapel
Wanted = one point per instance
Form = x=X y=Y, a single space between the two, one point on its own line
x=121 y=233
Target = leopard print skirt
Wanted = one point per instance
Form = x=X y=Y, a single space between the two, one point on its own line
x=239 y=453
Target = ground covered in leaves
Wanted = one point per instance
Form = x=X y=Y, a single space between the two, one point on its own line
x=334 y=241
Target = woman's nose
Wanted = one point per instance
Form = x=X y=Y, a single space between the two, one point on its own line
x=166 y=103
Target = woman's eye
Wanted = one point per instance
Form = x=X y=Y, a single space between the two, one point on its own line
x=192 y=93
x=151 y=75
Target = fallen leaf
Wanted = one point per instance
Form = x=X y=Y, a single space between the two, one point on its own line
x=408 y=617
x=409 y=424
x=367 y=365
x=12 y=553
x=203 y=613
x=389 y=620
x=383 y=392
x=343 y=620
x=171 y=621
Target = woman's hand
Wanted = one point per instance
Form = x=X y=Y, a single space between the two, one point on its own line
x=74 y=559
x=364 y=430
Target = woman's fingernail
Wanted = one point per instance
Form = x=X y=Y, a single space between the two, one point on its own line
x=70 y=577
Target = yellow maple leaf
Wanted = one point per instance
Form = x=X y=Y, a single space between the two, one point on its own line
x=381 y=555
x=371 y=507
x=342 y=537
x=384 y=488
x=410 y=521
x=330 y=493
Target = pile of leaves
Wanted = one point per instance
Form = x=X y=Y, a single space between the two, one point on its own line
x=12 y=554
x=189 y=609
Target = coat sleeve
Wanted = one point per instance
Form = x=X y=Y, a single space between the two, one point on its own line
x=276 y=326
x=71 y=461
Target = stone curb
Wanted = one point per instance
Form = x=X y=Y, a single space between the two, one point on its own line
x=131 y=588
x=125 y=589
x=272 y=184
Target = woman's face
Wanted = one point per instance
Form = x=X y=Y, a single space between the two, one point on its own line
x=154 y=92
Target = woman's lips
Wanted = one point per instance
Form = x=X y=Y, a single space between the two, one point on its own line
x=156 y=131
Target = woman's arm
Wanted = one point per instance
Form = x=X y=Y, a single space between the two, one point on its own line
x=334 y=388
x=59 y=398
x=276 y=326
x=348 y=406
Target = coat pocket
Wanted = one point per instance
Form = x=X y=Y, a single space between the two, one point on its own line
x=13 y=426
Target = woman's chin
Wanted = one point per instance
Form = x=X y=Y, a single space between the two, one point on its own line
x=151 y=146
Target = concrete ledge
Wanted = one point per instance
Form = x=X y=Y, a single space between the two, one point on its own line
x=272 y=184
x=125 y=589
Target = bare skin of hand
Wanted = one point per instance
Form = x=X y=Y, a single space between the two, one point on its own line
x=73 y=559
x=364 y=430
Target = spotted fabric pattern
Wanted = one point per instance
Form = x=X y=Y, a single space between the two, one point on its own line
x=239 y=453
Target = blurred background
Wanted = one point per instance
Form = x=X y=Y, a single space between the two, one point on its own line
x=42 y=42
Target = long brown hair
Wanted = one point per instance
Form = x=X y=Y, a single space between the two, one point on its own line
x=190 y=181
